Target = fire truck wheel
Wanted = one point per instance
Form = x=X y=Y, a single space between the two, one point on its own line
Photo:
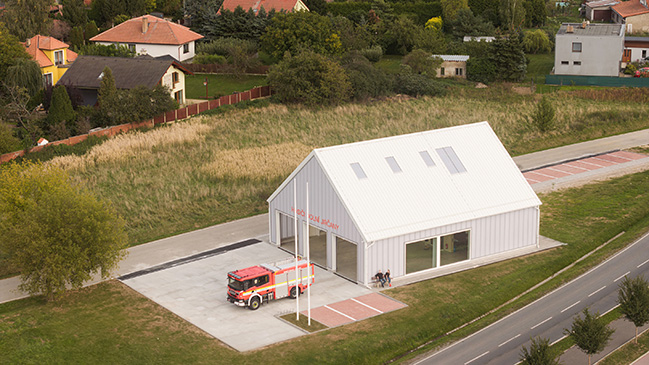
x=255 y=303
x=293 y=292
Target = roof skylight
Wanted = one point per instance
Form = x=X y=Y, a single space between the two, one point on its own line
x=450 y=159
x=358 y=170
x=393 y=164
x=427 y=159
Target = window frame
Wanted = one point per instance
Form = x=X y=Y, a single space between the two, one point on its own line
x=576 y=47
x=185 y=48
x=58 y=61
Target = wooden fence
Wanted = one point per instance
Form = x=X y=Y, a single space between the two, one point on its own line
x=170 y=116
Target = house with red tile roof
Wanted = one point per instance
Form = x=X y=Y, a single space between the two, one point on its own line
x=52 y=55
x=288 y=6
x=153 y=36
x=633 y=13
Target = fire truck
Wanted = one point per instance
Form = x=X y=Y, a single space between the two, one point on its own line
x=251 y=286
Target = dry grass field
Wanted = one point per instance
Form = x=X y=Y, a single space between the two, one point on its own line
x=216 y=168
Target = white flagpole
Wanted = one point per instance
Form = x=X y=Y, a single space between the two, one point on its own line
x=297 y=288
x=308 y=258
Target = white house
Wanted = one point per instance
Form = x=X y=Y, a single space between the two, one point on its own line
x=153 y=36
x=407 y=203
x=589 y=49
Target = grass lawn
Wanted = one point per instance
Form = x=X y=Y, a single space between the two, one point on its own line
x=219 y=85
x=110 y=323
x=390 y=63
x=539 y=66
x=629 y=352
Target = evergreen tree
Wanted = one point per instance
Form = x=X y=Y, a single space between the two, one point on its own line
x=11 y=50
x=27 y=18
x=74 y=13
x=509 y=58
x=108 y=99
x=60 y=107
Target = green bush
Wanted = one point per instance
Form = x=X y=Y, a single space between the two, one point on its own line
x=373 y=54
x=367 y=81
x=8 y=142
x=60 y=113
x=209 y=59
x=536 y=41
x=544 y=115
x=422 y=62
x=222 y=46
x=630 y=69
x=309 y=78
x=413 y=84
x=481 y=69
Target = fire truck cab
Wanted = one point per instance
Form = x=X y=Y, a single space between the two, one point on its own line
x=252 y=286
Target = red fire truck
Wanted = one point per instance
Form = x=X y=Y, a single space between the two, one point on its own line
x=252 y=286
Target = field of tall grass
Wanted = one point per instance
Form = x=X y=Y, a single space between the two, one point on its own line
x=216 y=168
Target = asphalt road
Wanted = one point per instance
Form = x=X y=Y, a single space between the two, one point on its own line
x=501 y=342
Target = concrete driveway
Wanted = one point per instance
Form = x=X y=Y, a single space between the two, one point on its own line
x=196 y=291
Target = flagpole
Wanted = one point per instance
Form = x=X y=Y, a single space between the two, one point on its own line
x=297 y=287
x=308 y=257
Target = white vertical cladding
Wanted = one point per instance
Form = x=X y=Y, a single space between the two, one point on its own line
x=325 y=209
x=488 y=236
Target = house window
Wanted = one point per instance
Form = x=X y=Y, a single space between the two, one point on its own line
x=48 y=79
x=565 y=62
x=186 y=48
x=576 y=46
x=629 y=28
x=131 y=47
x=576 y=63
x=178 y=96
x=175 y=78
x=58 y=57
x=458 y=72
x=441 y=71
x=644 y=53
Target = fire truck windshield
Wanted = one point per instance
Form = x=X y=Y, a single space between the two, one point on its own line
x=235 y=284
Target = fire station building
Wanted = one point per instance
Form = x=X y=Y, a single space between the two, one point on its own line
x=407 y=203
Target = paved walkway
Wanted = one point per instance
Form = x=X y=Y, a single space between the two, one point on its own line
x=354 y=309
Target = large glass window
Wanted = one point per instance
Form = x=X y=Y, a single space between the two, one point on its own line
x=454 y=248
x=421 y=255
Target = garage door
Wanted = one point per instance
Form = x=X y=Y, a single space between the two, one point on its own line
x=286 y=232
x=346 y=255
x=318 y=245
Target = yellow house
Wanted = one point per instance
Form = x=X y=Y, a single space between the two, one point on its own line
x=52 y=55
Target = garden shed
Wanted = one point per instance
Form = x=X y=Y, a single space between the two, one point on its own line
x=407 y=203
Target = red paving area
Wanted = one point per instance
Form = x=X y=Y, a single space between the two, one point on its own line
x=354 y=309
x=579 y=166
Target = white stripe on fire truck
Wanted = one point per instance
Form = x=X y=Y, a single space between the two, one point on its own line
x=370 y=307
x=341 y=313
x=280 y=284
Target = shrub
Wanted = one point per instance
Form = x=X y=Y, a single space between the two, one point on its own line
x=537 y=41
x=434 y=23
x=373 y=54
x=413 y=84
x=209 y=59
x=309 y=78
x=367 y=81
x=422 y=62
x=630 y=69
x=544 y=115
x=481 y=69
x=8 y=142
x=222 y=46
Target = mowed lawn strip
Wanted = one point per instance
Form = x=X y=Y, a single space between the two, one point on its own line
x=219 y=85
x=104 y=323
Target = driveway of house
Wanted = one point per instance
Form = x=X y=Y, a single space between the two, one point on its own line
x=196 y=291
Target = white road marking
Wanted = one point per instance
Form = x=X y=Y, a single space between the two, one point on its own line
x=476 y=358
x=540 y=323
x=518 y=335
x=553 y=343
x=577 y=302
x=341 y=313
x=627 y=273
x=595 y=292
x=643 y=263
x=370 y=307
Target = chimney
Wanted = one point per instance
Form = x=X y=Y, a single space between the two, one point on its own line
x=28 y=42
x=570 y=29
x=583 y=24
x=145 y=24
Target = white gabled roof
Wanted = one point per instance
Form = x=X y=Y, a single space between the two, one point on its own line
x=388 y=204
x=452 y=57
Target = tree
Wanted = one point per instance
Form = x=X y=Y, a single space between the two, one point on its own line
x=539 y=353
x=112 y=50
x=90 y=30
x=451 y=7
x=25 y=73
x=197 y=10
x=55 y=232
x=590 y=333
x=366 y=80
x=309 y=78
x=27 y=18
x=8 y=141
x=74 y=13
x=11 y=50
x=512 y=14
x=60 y=112
x=399 y=36
x=422 y=62
x=536 y=41
x=544 y=116
x=317 y=6
x=466 y=23
x=536 y=13
x=509 y=58
x=108 y=99
x=16 y=110
x=634 y=301
x=434 y=23
x=294 y=32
